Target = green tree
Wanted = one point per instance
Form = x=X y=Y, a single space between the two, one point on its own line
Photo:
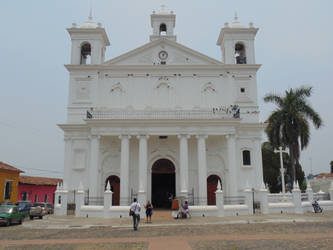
x=331 y=163
x=271 y=168
x=288 y=125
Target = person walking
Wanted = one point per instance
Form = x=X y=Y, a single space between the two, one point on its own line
x=135 y=212
x=149 y=211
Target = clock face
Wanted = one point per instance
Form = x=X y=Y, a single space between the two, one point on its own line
x=163 y=55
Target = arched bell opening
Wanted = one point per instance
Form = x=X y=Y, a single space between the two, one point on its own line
x=240 y=54
x=163 y=29
x=85 y=53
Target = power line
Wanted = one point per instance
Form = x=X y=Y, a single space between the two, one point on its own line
x=45 y=170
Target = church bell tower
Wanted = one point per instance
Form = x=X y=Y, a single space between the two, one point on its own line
x=89 y=42
x=163 y=24
x=237 y=43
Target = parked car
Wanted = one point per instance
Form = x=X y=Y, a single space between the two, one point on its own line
x=50 y=208
x=10 y=214
x=38 y=209
x=24 y=207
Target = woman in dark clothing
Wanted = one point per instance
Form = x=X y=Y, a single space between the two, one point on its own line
x=149 y=211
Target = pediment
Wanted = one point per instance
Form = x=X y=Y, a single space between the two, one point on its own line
x=153 y=53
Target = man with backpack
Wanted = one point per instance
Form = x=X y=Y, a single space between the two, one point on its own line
x=135 y=213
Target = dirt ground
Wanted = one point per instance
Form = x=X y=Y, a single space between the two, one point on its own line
x=197 y=234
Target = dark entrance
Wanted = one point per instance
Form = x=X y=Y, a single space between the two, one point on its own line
x=212 y=181
x=115 y=188
x=163 y=183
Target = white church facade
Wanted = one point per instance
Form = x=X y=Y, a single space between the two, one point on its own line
x=162 y=119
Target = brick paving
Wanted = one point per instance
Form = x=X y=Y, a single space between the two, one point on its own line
x=308 y=231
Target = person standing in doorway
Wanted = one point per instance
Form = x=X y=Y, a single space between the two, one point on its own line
x=149 y=211
x=135 y=208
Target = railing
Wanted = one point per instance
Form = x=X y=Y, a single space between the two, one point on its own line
x=304 y=197
x=162 y=114
x=234 y=200
x=321 y=196
x=280 y=198
x=94 y=201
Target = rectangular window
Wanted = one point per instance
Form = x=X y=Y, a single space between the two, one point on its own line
x=246 y=158
x=8 y=189
x=45 y=198
x=36 y=197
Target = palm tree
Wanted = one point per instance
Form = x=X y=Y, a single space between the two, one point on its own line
x=288 y=125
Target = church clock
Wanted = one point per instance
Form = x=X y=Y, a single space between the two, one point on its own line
x=163 y=55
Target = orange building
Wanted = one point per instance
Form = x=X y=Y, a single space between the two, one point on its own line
x=9 y=179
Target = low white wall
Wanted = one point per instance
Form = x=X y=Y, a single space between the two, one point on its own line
x=235 y=210
x=282 y=207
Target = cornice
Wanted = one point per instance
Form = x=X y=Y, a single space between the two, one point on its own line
x=90 y=31
x=228 y=30
x=221 y=67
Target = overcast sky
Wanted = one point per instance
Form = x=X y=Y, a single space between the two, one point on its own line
x=294 y=45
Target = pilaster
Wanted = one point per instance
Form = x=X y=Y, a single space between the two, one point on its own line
x=124 y=170
x=94 y=163
x=142 y=192
x=202 y=169
x=183 y=152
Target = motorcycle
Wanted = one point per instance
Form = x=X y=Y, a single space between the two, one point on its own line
x=316 y=207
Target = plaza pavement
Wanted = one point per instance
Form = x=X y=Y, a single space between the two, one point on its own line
x=280 y=231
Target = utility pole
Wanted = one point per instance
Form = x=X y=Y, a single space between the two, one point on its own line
x=281 y=168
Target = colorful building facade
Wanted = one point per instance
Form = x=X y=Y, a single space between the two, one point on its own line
x=37 y=189
x=9 y=177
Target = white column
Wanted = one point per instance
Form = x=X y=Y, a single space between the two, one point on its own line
x=232 y=166
x=94 y=163
x=124 y=170
x=183 y=153
x=142 y=192
x=202 y=169
x=67 y=162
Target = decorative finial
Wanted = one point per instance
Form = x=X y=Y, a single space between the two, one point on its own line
x=219 y=188
x=90 y=14
x=108 y=187
x=80 y=188
x=163 y=7
x=236 y=17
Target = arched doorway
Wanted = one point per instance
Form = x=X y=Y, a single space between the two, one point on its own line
x=212 y=181
x=115 y=188
x=163 y=183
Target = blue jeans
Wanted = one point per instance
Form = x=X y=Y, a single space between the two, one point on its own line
x=136 y=221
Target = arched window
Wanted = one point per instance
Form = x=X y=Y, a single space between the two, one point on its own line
x=240 y=54
x=246 y=158
x=163 y=29
x=85 y=53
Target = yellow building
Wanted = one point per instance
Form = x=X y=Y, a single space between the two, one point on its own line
x=9 y=179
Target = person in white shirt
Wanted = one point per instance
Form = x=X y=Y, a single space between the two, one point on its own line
x=135 y=208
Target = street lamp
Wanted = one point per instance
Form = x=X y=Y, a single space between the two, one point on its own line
x=281 y=169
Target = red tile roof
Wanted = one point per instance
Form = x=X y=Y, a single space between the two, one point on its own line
x=4 y=166
x=32 y=180
x=323 y=175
